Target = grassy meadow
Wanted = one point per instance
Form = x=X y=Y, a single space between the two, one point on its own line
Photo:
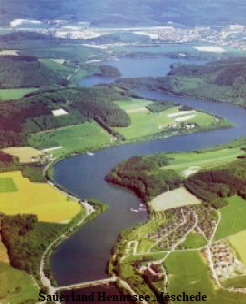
x=7 y=185
x=48 y=204
x=190 y=162
x=238 y=242
x=194 y=240
x=146 y=123
x=83 y=137
x=232 y=217
x=188 y=272
x=15 y=93
x=16 y=286
x=24 y=154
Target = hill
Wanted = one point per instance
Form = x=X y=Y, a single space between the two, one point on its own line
x=128 y=12
x=221 y=80
x=26 y=71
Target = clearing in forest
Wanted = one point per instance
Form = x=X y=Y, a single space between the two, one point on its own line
x=173 y=199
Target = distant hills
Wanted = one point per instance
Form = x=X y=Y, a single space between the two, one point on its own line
x=128 y=12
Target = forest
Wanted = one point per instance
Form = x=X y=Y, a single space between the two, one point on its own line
x=26 y=71
x=213 y=186
x=26 y=239
x=145 y=176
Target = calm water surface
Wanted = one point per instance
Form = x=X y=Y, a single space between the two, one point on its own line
x=140 y=67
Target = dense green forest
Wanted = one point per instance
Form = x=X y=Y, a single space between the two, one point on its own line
x=26 y=239
x=213 y=186
x=26 y=71
x=144 y=176
x=33 y=113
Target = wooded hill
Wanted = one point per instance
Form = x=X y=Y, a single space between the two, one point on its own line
x=144 y=176
x=33 y=113
x=221 y=80
x=128 y=12
x=26 y=71
x=213 y=186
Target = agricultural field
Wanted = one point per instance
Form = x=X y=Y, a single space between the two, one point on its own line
x=16 y=285
x=83 y=137
x=48 y=204
x=194 y=240
x=232 y=217
x=15 y=93
x=24 y=154
x=146 y=123
x=7 y=185
x=192 y=269
x=174 y=199
x=238 y=242
x=133 y=105
x=191 y=162
x=192 y=275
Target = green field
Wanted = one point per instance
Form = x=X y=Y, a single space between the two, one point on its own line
x=186 y=163
x=16 y=286
x=83 y=137
x=189 y=273
x=58 y=68
x=232 y=217
x=194 y=240
x=6 y=94
x=146 y=123
x=7 y=185
x=133 y=104
x=236 y=282
x=238 y=242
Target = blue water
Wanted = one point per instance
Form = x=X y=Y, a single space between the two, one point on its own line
x=138 y=67
x=84 y=255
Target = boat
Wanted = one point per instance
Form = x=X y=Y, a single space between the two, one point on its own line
x=134 y=210
x=90 y=153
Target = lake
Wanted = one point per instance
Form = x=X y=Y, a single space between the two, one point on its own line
x=84 y=256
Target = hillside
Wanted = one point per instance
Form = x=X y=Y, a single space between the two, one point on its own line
x=221 y=80
x=26 y=71
x=37 y=112
x=128 y=12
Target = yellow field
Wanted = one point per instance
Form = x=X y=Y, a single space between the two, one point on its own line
x=3 y=253
x=49 y=204
x=173 y=199
x=238 y=242
x=24 y=154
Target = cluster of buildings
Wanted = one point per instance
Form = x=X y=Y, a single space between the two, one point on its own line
x=42 y=159
x=225 y=263
x=232 y=35
x=153 y=272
